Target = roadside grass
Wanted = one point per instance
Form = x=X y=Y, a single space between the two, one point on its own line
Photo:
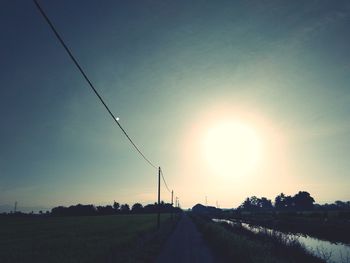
x=233 y=244
x=116 y=238
x=328 y=225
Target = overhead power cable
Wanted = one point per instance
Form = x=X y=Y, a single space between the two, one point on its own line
x=166 y=186
x=89 y=82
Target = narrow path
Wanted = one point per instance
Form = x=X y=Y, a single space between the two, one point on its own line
x=185 y=245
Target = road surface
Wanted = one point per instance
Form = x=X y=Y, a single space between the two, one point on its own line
x=185 y=245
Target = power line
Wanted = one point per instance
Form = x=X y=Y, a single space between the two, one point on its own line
x=161 y=172
x=116 y=120
x=89 y=82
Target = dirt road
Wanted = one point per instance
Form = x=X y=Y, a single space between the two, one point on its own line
x=185 y=245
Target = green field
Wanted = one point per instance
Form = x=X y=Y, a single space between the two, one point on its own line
x=117 y=238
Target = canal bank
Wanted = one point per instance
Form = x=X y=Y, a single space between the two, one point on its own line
x=332 y=252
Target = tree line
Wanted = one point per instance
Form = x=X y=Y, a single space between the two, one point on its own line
x=300 y=201
x=114 y=209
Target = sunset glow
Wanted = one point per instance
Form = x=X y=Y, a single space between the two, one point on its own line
x=231 y=148
x=227 y=102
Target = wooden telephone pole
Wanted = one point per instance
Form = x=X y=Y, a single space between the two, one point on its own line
x=172 y=204
x=158 y=216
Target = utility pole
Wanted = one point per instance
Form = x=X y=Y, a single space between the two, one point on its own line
x=15 y=207
x=172 y=202
x=158 y=216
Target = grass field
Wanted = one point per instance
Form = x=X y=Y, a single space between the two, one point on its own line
x=117 y=238
x=242 y=246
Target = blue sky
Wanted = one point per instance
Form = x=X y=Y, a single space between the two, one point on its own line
x=163 y=67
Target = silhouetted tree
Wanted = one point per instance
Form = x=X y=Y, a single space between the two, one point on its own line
x=137 y=208
x=116 y=207
x=303 y=200
x=164 y=208
x=246 y=205
x=254 y=203
x=342 y=205
x=289 y=202
x=125 y=208
x=58 y=211
x=280 y=201
x=284 y=202
x=105 y=210
x=74 y=210
x=265 y=203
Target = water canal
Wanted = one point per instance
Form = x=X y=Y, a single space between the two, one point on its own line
x=331 y=252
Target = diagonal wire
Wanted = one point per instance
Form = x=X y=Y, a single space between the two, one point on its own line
x=89 y=82
x=166 y=186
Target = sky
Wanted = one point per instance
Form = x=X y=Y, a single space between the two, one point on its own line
x=174 y=72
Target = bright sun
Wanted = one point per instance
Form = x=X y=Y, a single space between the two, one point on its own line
x=232 y=149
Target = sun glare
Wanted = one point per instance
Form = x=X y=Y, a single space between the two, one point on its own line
x=232 y=149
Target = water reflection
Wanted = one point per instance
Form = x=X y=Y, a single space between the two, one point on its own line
x=331 y=252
